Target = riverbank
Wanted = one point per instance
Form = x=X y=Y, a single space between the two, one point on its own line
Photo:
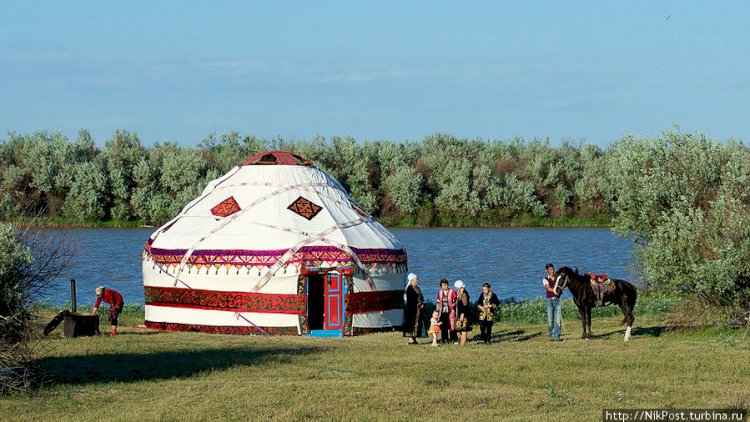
x=60 y=222
x=522 y=376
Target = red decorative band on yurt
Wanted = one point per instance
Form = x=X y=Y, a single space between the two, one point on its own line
x=381 y=256
x=295 y=304
x=362 y=302
x=242 y=257
x=221 y=329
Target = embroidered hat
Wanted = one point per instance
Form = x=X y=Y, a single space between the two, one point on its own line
x=459 y=284
x=100 y=290
x=411 y=277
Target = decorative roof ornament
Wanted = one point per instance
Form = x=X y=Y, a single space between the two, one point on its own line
x=277 y=158
x=305 y=208
x=226 y=207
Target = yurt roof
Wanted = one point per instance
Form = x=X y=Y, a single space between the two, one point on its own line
x=274 y=209
x=278 y=158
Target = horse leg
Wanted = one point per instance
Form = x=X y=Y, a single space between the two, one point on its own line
x=583 y=320
x=588 y=321
x=627 y=310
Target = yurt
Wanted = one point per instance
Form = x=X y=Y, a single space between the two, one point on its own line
x=274 y=247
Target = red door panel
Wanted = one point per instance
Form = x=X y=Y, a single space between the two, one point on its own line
x=333 y=306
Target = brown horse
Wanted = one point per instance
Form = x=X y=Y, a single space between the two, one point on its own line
x=623 y=295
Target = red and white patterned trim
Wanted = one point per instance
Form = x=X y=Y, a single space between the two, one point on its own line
x=310 y=255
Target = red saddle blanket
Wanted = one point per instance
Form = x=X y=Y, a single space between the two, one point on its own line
x=600 y=278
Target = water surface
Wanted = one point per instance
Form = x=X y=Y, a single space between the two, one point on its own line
x=511 y=259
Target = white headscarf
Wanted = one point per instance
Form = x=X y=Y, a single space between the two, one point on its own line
x=409 y=278
x=459 y=284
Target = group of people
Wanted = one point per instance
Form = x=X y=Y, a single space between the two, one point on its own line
x=452 y=318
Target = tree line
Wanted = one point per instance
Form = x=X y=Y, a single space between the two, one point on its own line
x=441 y=180
x=683 y=197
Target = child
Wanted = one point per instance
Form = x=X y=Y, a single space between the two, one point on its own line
x=435 y=326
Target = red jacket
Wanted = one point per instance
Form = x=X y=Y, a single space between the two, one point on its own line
x=113 y=297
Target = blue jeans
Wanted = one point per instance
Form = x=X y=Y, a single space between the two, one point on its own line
x=554 y=316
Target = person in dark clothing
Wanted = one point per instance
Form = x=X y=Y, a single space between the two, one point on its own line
x=487 y=304
x=114 y=299
x=413 y=304
x=463 y=311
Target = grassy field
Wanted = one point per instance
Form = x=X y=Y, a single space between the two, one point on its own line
x=145 y=375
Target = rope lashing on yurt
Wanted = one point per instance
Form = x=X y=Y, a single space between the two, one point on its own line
x=175 y=277
x=346 y=202
x=194 y=202
x=238 y=315
x=307 y=187
x=299 y=222
x=236 y=215
x=379 y=227
x=223 y=224
x=310 y=239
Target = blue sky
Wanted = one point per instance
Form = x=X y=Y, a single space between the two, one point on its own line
x=177 y=70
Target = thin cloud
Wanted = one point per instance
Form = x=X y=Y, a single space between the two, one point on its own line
x=238 y=67
x=25 y=58
x=360 y=76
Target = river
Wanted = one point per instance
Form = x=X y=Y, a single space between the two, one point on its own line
x=511 y=259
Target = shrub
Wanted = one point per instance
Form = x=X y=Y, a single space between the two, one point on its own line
x=683 y=198
x=31 y=261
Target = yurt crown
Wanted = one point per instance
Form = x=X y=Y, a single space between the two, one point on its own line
x=277 y=158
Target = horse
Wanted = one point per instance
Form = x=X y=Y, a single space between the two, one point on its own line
x=623 y=294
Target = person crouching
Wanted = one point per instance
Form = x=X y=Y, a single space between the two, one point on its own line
x=114 y=299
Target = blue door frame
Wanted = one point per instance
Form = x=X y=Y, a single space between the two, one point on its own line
x=334 y=294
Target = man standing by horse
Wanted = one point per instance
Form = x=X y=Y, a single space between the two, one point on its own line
x=554 y=312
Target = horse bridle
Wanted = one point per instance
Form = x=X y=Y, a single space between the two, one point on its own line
x=557 y=283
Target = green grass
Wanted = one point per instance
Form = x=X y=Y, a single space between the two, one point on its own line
x=145 y=375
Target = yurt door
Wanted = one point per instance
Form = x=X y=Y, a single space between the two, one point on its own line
x=334 y=298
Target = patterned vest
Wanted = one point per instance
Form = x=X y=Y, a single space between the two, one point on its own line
x=551 y=282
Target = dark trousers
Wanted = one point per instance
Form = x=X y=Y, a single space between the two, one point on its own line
x=485 y=328
x=445 y=329
x=114 y=313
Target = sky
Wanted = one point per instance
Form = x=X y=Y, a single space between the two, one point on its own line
x=178 y=70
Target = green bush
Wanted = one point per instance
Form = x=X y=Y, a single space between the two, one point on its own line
x=683 y=198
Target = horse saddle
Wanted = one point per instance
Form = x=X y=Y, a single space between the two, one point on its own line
x=599 y=279
x=601 y=284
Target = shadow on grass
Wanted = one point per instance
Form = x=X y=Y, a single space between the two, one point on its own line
x=517 y=335
x=140 y=332
x=163 y=365
x=638 y=331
